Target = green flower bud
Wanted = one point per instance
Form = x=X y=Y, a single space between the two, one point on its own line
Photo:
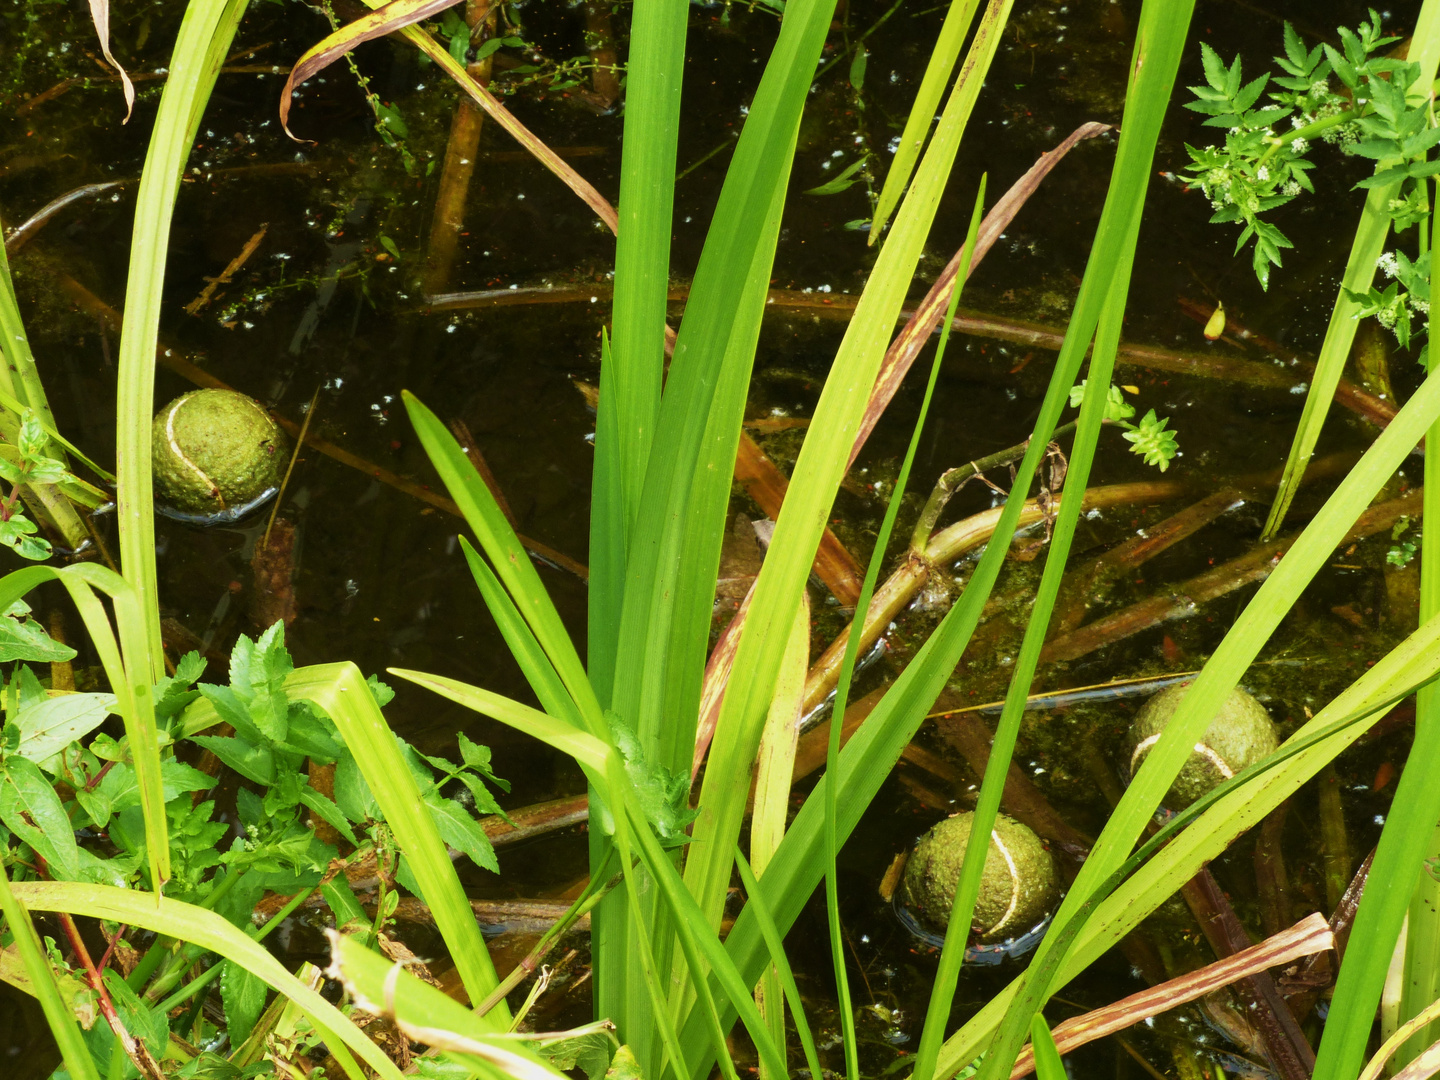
x=1017 y=886
x=1241 y=734
x=215 y=451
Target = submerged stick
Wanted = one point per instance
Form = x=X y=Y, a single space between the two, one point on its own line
x=460 y=153
x=1285 y=1044
x=945 y=547
x=1183 y=600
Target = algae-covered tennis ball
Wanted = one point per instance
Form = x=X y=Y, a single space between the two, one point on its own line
x=1017 y=885
x=214 y=450
x=1241 y=734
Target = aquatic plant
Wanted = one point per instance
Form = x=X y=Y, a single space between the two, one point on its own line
x=629 y=713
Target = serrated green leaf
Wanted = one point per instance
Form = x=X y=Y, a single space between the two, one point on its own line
x=244 y=998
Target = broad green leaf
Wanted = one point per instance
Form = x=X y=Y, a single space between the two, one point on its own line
x=461 y=831
x=253 y=762
x=49 y=726
x=26 y=639
x=31 y=810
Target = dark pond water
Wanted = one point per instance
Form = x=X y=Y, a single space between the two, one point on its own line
x=331 y=302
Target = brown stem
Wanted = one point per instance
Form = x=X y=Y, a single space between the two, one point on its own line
x=1289 y=1052
x=944 y=548
x=952 y=480
x=135 y=1050
x=1272 y=883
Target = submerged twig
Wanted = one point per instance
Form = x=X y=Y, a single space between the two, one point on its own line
x=460 y=154
x=1285 y=1044
x=1183 y=600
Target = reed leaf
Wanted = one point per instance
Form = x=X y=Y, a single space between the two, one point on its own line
x=200 y=48
x=341 y=691
x=210 y=931
x=508 y=557
x=63 y=1027
x=1048 y=1065
x=815 y=479
x=922 y=114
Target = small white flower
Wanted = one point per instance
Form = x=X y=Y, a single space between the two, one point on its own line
x=1299 y=146
x=1291 y=188
x=1262 y=174
x=1388 y=264
x=1297 y=122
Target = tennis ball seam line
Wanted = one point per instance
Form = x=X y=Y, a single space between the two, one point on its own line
x=1004 y=920
x=1201 y=748
x=174 y=446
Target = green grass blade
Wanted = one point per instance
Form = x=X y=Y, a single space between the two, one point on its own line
x=24 y=384
x=609 y=537
x=1421 y=976
x=209 y=931
x=701 y=947
x=775 y=945
x=922 y=114
x=815 y=479
x=511 y=562
x=204 y=38
x=341 y=691
x=1368 y=245
x=1048 y=1065
x=847 y=670
x=538 y=669
x=422 y=1010
x=589 y=752
x=78 y=1062
x=632 y=371
x=674 y=550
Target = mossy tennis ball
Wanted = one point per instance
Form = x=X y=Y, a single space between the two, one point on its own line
x=1241 y=734
x=1017 y=885
x=214 y=450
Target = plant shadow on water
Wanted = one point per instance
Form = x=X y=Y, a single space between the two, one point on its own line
x=332 y=300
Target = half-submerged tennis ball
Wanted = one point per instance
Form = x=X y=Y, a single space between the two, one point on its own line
x=1017 y=885
x=1241 y=734
x=214 y=451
